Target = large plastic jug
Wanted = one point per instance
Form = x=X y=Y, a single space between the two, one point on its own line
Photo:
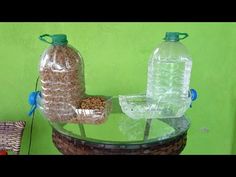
x=62 y=78
x=63 y=95
x=169 y=71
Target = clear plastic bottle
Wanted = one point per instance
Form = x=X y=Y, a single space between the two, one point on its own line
x=63 y=96
x=62 y=78
x=169 y=71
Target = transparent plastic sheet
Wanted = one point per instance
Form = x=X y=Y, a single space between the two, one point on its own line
x=63 y=97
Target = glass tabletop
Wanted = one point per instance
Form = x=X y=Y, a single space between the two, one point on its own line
x=121 y=129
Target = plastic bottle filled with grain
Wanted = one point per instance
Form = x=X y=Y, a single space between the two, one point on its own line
x=63 y=97
x=62 y=78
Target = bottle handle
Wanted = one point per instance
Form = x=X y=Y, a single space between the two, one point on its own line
x=42 y=38
x=185 y=35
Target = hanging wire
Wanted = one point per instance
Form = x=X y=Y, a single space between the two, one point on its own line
x=32 y=121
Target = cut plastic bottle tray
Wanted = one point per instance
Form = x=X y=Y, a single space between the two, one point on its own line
x=78 y=115
x=142 y=107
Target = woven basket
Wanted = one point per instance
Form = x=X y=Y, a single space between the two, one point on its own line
x=71 y=146
x=11 y=134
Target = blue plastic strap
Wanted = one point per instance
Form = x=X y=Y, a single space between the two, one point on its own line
x=33 y=101
x=194 y=95
x=32 y=110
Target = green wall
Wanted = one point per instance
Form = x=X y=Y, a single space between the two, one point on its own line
x=115 y=56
